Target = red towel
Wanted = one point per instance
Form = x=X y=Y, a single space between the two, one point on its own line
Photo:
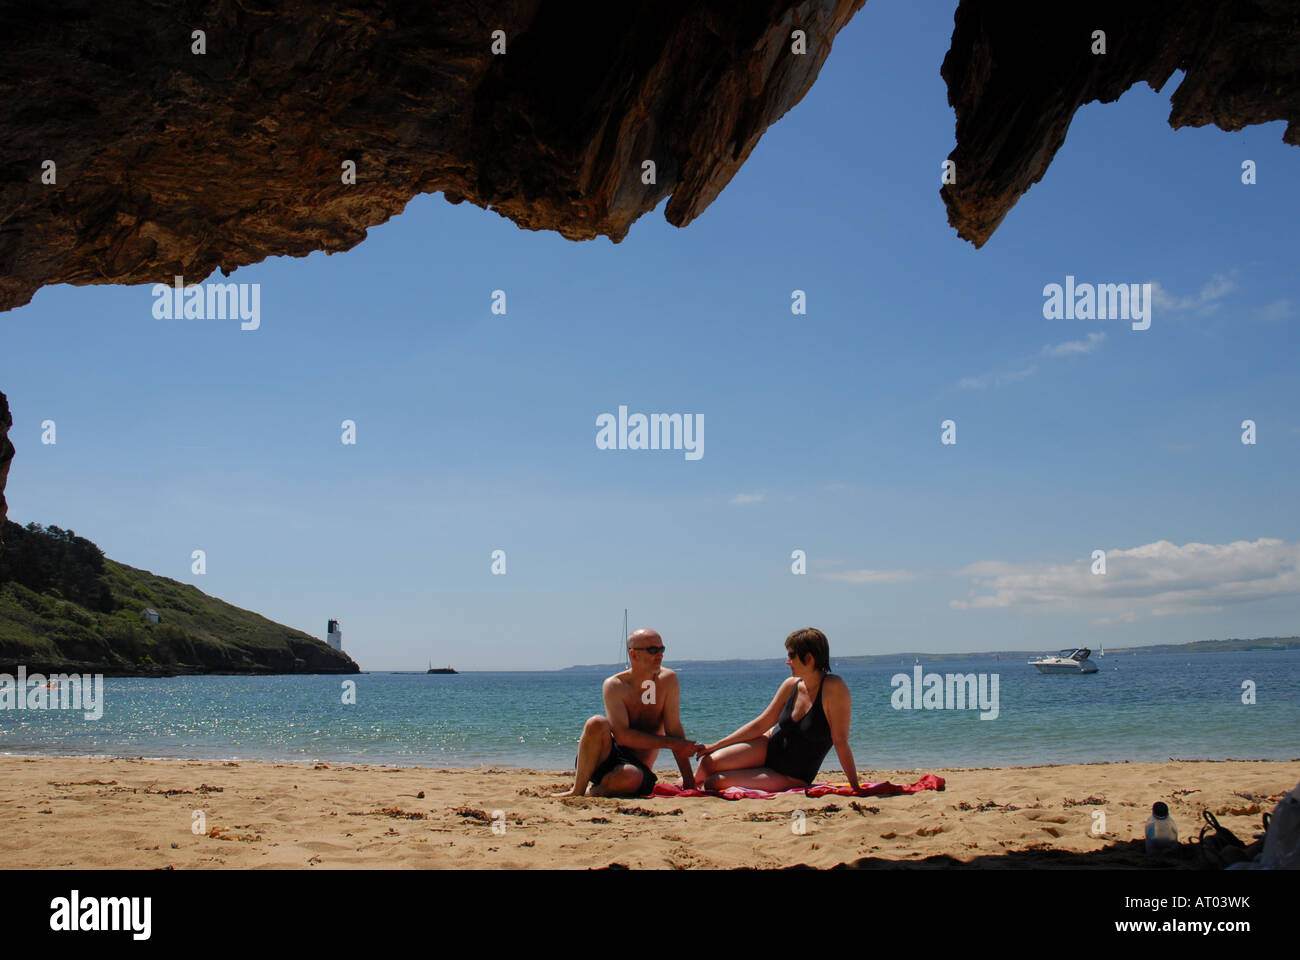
x=886 y=789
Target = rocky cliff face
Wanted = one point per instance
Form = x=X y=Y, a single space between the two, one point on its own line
x=1019 y=69
x=172 y=162
x=6 y=458
x=167 y=161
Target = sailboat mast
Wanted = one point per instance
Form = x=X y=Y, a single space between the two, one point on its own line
x=623 y=654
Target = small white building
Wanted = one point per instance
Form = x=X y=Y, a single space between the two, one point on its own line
x=150 y=614
x=334 y=636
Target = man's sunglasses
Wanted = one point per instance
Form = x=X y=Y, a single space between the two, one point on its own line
x=653 y=651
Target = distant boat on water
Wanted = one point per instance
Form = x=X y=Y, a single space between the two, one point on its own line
x=433 y=669
x=1068 y=661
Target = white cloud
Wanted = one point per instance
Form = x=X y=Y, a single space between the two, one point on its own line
x=1127 y=617
x=1071 y=347
x=1202 y=304
x=1156 y=579
x=1278 y=310
x=996 y=379
x=748 y=498
x=875 y=576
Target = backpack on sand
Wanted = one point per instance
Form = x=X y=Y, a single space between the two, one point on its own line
x=1223 y=848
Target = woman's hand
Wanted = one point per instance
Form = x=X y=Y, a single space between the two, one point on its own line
x=688 y=748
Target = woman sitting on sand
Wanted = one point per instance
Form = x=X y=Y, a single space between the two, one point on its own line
x=785 y=746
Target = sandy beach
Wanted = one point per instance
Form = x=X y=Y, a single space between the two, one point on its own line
x=142 y=814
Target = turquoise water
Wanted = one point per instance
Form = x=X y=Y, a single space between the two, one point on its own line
x=1142 y=708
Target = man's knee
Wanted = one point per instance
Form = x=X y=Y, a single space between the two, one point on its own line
x=596 y=725
x=625 y=781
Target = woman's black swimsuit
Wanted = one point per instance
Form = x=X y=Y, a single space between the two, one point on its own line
x=798 y=747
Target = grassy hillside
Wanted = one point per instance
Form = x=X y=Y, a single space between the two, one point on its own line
x=65 y=607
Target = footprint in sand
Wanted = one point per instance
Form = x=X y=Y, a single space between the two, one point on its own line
x=1045 y=818
x=1245 y=811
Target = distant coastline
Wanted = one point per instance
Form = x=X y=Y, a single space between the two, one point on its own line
x=1192 y=646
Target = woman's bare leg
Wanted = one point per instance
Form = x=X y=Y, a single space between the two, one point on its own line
x=738 y=756
x=756 y=778
x=741 y=765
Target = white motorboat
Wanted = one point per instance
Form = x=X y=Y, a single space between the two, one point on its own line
x=1067 y=661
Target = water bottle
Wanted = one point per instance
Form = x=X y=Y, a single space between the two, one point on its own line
x=1162 y=835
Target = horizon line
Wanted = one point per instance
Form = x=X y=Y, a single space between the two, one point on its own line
x=856 y=656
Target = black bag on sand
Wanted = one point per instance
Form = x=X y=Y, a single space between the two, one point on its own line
x=1223 y=848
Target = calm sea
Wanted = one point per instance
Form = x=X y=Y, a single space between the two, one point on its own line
x=1149 y=707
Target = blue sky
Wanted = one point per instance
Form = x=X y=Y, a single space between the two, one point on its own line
x=476 y=432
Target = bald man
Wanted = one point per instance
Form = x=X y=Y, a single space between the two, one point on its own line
x=617 y=752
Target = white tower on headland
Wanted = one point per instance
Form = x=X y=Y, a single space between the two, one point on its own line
x=334 y=636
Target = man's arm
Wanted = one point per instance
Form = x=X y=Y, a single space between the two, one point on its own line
x=673 y=727
x=760 y=724
x=629 y=736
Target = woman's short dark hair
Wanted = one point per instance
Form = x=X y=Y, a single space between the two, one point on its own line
x=807 y=641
